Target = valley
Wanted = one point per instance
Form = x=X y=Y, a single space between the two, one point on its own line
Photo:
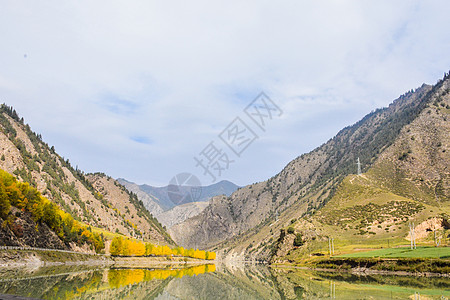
x=224 y=150
x=321 y=211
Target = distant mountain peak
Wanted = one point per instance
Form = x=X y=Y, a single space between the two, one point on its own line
x=158 y=201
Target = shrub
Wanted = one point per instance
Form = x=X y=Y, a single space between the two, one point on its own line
x=298 y=241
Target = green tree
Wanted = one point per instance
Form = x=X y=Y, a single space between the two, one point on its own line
x=298 y=241
x=149 y=249
x=126 y=247
x=116 y=246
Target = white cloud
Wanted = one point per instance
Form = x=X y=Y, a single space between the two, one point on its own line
x=137 y=89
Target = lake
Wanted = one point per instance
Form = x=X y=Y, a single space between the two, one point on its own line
x=214 y=282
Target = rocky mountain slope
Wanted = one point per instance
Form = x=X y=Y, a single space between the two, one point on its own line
x=157 y=199
x=169 y=213
x=179 y=213
x=409 y=183
x=249 y=221
x=152 y=203
x=95 y=199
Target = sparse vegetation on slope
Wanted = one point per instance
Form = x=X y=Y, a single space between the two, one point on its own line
x=24 y=154
x=26 y=199
x=247 y=223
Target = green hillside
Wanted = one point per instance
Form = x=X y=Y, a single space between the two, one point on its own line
x=408 y=184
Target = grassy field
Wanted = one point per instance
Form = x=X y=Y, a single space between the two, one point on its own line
x=422 y=252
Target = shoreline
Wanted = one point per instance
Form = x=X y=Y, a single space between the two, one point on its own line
x=36 y=258
x=364 y=267
x=155 y=262
x=364 y=271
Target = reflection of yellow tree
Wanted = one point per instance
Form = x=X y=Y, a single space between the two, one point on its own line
x=118 y=278
x=122 y=277
x=210 y=268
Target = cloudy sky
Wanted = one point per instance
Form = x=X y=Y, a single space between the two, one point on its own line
x=137 y=89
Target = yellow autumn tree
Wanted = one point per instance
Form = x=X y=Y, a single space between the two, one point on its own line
x=179 y=251
x=211 y=255
x=149 y=249
x=189 y=253
x=166 y=250
x=140 y=249
x=116 y=246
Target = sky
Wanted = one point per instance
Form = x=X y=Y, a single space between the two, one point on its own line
x=138 y=89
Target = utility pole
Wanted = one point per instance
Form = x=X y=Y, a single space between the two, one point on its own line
x=411 y=239
x=412 y=234
x=437 y=241
x=331 y=246
x=359 y=167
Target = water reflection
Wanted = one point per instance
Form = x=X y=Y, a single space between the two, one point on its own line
x=76 y=283
x=211 y=282
x=303 y=284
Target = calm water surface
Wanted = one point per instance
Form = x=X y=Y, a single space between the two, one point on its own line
x=211 y=282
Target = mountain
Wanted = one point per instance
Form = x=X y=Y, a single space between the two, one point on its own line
x=248 y=223
x=408 y=183
x=157 y=199
x=179 y=213
x=168 y=212
x=151 y=203
x=93 y=199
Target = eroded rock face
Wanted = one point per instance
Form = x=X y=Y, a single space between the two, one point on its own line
x=7 y=237
x=180 y=213
x=24 y=231
x=285 y=244
x=423 y=229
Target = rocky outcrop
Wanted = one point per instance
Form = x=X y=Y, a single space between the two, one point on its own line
x=180 y=213
x=24 y=231
x=285 y=244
